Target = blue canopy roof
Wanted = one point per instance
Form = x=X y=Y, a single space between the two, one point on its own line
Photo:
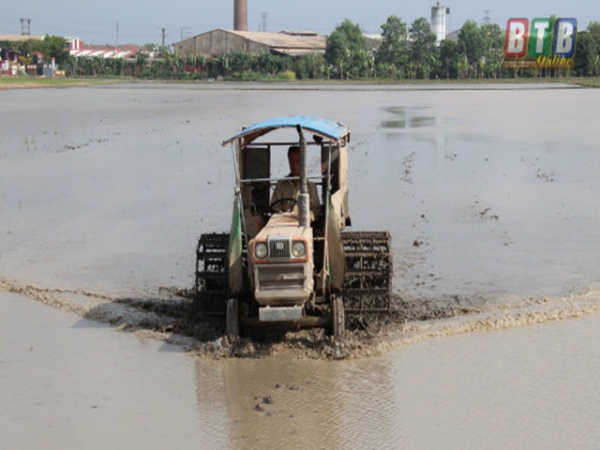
x=326 y=128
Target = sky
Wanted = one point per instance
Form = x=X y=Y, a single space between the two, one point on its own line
x=118 y=22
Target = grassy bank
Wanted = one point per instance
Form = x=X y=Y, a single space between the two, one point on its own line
x=34 y=82
x=587 y=82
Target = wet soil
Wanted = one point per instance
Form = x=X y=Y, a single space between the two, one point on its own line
x=492 y=212
x=490 y=216
x=170 y=317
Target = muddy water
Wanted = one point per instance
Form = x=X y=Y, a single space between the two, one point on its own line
x=69 y=382
x=489 y=194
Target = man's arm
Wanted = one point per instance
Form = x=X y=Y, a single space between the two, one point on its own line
x=279 y=193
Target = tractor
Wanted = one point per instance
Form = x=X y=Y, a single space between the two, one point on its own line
x=286 y=265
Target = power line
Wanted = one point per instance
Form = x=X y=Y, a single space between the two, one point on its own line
x=186 y=32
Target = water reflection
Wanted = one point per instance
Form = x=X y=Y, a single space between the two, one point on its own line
x=407 y=118
x=285 y=403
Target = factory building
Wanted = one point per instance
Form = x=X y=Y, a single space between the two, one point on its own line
x=217 y=42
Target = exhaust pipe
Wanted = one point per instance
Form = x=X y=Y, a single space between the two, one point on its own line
x=303 y=197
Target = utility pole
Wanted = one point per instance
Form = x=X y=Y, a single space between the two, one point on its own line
x=163 y=39
x=25 y=29
x=487 y=19
x=117 y=34
x=185 y=32
x=263 y=22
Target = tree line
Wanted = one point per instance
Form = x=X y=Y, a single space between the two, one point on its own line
x=406 y=52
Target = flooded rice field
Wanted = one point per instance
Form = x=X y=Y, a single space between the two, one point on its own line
x=490 y=195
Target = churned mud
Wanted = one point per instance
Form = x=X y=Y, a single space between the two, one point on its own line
x=170 y=317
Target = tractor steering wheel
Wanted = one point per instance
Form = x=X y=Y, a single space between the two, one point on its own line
x=294 y=202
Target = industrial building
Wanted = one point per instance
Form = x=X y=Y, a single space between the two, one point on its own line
x=217 y=42
x=294 y=43
x=438 y=21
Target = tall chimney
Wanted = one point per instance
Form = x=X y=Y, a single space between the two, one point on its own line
x=240 y=15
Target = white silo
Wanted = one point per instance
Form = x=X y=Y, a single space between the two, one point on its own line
x=438 y=21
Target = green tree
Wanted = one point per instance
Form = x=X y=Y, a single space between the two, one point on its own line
x=240 y=62
x=72 y=66
x=96 y=65
x=347 y=51
x=387 y=70
x=451 y=55
x=423 y=50
x=81 y=66
x=159 y=68
x=594 y=29
x=232 y=64
x=152 y=47
x=464 y=68
x=141 y=63
x=494 y=37
x=118 y=64
x=129 y=67
x=55 y=47
x=494 y=49
x=394 y=43
x=471 y=37
x=190 y=68
x=217 y=67
x=311 y=65
x=266 y=63
x=337 y=52
x=586 y=54
x=27 y=47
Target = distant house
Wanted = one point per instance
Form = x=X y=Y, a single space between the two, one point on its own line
x=19 y=37
x=7 y=54
x=80 y=49
x=75 y=44
x=32 y=64
x=104 y=52
x=373 y=41
x=453 y=36
x=9 y=59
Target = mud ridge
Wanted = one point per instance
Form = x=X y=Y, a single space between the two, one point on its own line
x=170 y=317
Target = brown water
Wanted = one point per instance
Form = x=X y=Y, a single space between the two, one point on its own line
x=490 y=196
